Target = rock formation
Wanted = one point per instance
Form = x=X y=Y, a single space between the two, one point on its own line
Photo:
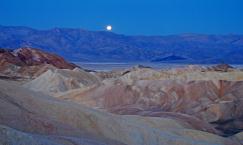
x=45 y=100
x=34 y=118
x=61 y=80
x=215 y=101
x=32 y=57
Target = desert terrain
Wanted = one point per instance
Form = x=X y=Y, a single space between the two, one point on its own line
x=46 y=100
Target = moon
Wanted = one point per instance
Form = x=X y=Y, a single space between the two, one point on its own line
x=108 y=27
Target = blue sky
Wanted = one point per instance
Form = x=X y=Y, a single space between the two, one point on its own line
x=131 y=17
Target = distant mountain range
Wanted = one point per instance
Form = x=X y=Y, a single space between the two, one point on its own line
x=83 y=45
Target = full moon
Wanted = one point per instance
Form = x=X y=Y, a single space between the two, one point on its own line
x=109 y=28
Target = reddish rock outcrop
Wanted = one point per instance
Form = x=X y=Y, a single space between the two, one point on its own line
x=32 y=57
x=7 y=58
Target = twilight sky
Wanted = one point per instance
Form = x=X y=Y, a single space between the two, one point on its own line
x=132 y=17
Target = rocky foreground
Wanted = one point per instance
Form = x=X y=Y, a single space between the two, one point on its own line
x=50 y=101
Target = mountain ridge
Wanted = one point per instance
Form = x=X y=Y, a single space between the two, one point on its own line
x=83 y=45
